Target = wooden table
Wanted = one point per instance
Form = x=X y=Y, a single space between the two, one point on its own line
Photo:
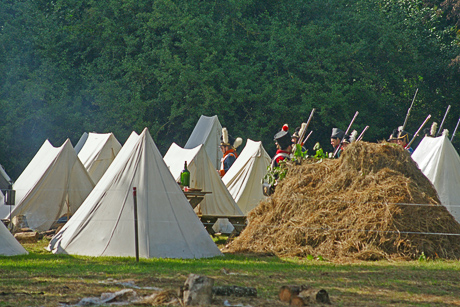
x=195 y=196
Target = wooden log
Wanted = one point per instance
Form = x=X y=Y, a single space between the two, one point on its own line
x=50 y=232
x=198 y=290
x=315 y=296
x=235 y=291
x=27 y=237
x=288 y=292
x=297 y=301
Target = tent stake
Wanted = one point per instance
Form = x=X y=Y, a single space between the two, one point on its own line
x=136 y=233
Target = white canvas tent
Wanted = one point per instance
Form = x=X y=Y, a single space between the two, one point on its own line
x=81 y=142
x=203 y=176
x=104 y=224
x=98 y=151
x=4 y=183
x=4 y=180
x=440 y=163
x=9 y=246
x=54 y=184
x=244 y=179
x=207 y=131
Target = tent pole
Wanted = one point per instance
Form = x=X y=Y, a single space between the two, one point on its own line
x=136 y=233
x=68 y=208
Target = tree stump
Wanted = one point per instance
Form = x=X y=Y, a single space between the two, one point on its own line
x=198 y=290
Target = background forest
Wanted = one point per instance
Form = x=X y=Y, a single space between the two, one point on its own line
x=70 y=66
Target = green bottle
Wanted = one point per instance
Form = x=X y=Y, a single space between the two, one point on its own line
x=185 y=176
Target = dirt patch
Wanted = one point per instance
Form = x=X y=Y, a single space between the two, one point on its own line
x=359 y=206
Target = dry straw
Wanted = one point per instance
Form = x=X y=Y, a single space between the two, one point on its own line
x=353 y=208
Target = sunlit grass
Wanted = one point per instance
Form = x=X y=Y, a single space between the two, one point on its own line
x=46 y=277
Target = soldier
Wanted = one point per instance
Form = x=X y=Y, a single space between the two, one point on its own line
x=431 y=132
x=336 y=137
x=393 y=137
x=296 y=135
x=284 y=146
x=295 y=139
x=228 y=146
x=348 y=138
x=283 y=153
x=403 y=140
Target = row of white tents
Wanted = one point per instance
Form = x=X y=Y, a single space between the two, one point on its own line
x=94 y=182
x=95 y=188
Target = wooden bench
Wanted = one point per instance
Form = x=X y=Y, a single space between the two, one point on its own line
x=239 y=222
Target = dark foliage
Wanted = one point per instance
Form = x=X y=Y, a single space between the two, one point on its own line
x=70 y=66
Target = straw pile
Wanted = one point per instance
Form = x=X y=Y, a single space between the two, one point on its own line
x=354 y=207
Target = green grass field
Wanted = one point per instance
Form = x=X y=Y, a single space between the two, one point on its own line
x=45 y=279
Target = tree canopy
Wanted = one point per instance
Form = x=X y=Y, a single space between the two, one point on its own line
x=70 y=66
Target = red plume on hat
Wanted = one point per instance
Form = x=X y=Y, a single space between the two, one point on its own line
x=285 y=127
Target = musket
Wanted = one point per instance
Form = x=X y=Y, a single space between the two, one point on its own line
x=416 y=133
x=306 y=127
x=455 y=130
x=346 y=132
x=308 y=136
x=408 y=110
x=442 y=123
x=362 y=134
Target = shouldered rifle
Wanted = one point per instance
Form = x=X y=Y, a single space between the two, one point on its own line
x=416 y=133
x=346 y=132
x=442 y=123
x=308 y=136
x=303 y=131
x=408 y=110
x=455 y=130
x=362 y=133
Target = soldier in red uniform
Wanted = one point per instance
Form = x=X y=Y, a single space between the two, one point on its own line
x=284 y=146
x=228 y=146
x=403 y=140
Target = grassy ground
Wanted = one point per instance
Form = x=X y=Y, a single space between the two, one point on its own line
x=45 y=279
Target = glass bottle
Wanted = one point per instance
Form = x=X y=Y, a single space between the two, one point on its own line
x=185 y=176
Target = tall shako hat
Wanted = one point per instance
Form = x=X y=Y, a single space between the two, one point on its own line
x=337 y=133
x=299 y=132
x=227 y=140
x=283 y=138
x=348 y=138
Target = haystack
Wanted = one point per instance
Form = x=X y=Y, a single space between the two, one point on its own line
x=373 y=203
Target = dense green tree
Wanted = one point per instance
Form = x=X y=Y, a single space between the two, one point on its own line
x=69 y=66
